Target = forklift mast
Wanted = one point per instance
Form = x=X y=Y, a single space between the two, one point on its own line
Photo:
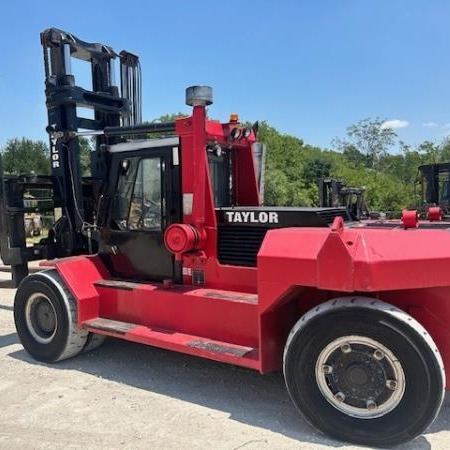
x=74 y=197
x=335 y=193
x=329 y=191
x=64 y=97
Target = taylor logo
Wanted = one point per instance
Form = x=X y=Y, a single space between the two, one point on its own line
x=251 y=216
x=54 y=152
x=54 y=156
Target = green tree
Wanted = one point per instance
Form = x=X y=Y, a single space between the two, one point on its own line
x=85 y=156
x=431 y=151
x=369 y=137
x=314 y=169
x=445 y=150
x=276 y=189
x=354 y=156
x=285 y=161
x=23 y=156
x=169 y=117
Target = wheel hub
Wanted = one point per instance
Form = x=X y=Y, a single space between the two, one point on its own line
x=357 y=375
x=360 y=377
x=41 y=319
x=45 y=316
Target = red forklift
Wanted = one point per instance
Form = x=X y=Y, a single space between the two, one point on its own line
x=167 y=244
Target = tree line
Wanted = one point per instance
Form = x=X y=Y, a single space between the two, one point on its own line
x=369 y=155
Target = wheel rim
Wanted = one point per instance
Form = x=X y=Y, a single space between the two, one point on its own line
x=360 y=377
x=40 y=317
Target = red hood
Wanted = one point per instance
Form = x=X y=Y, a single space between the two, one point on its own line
x=354 y=259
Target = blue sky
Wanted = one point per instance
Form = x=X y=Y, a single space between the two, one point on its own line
x=310 y=68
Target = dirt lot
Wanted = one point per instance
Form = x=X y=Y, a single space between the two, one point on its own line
x=127 y=396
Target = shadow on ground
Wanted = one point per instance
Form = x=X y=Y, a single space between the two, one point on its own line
x=6 y=307
x=7 y=284
x=248 y=397
x=9 y=339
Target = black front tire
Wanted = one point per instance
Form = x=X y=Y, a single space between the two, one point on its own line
x=45 y=315
x=324 y=392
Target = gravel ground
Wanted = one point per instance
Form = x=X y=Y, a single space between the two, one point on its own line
x=127 y=396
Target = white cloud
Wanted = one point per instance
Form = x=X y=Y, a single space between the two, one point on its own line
x=430 y=124
x=395 y=123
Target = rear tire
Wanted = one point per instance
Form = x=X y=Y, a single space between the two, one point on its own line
x=45 y=314
x=363 y=371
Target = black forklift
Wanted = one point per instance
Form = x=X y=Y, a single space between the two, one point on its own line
x=434 y=187
x=77 y=201
x=335 y=193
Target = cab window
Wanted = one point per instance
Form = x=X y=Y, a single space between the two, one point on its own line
x=139 y=199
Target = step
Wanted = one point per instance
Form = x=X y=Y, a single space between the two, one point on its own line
x=172 y=340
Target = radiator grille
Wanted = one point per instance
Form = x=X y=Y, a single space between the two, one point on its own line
x=239 y=245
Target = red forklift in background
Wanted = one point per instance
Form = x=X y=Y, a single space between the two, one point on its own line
x=167 y=244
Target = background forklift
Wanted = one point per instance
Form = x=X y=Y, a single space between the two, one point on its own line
x=335 y=193
x=434 y=185
x=167 y=244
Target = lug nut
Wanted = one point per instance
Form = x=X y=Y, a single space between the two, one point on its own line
x=327 y=369
x=392 y=384
x=371 y=405
x=378 y=354
x=339 y=396
x=345 y=348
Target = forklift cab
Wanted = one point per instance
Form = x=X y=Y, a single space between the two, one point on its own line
x=144 y=193
x=144 y=199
